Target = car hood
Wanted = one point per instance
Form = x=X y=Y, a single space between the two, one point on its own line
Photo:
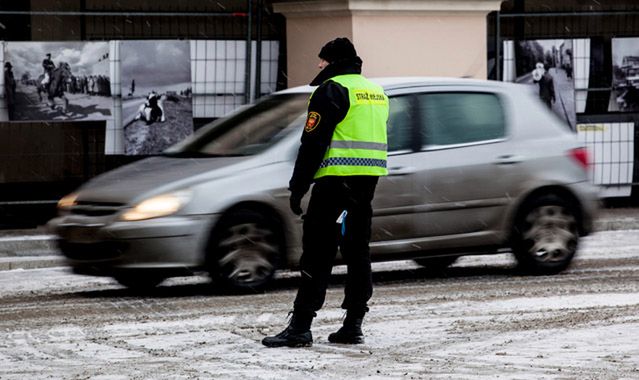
x=155 y=175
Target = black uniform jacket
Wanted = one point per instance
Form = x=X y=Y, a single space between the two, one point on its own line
x=328 y=106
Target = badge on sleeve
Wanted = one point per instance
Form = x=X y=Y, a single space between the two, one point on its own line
x=312 y=121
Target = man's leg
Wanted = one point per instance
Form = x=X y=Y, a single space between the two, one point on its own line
x=355 y=243
x=319 y=245
x=356 y=254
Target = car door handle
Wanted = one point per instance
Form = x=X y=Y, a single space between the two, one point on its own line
x=509 y=159
x=401 y=170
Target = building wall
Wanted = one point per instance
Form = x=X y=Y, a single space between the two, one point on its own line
x=393 y=37
x=416 y=48
x=305 y=36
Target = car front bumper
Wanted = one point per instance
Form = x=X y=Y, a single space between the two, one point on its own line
x=98 y=246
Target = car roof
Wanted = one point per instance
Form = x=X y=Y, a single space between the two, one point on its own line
x=390 y=83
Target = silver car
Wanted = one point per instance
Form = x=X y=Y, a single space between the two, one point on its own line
x=474 y=167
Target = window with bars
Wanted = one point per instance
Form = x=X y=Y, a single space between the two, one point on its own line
x=218 y=74
x=217 y=32
x=604 y=35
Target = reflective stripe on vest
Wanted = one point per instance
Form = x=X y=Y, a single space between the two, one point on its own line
x=358 y=145
x=347 y=161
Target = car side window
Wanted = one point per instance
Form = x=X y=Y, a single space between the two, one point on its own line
x=460 y=117
x=399 y=123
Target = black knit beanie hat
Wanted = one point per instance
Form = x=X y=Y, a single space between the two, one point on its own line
x=337 y=50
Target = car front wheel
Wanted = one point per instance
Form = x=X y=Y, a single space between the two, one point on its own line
x=546 y=235
x=245 y=251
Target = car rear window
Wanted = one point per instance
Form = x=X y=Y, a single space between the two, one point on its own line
x=399 y=123
x=460 y=117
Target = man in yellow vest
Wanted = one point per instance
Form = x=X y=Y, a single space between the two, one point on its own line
x=343 y=152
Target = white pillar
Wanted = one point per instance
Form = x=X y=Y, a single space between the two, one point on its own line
x=114 y=139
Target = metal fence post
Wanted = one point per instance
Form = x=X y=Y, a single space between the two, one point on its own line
x=249 y=49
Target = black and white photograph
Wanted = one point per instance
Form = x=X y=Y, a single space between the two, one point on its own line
x=625 y=74
x=157 y=106
x=547 y=65
x=64 y=81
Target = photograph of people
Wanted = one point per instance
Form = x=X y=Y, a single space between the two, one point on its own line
x=625 y=73
x=9 y=88
x=156 y=95
x=547 y=66
x=52 y=80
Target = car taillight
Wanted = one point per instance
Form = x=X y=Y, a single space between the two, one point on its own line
x=581 y=156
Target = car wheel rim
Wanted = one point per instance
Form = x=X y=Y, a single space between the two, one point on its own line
x=249 y=252
x=552 y=234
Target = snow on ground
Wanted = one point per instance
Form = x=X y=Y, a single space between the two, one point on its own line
x=480 y=321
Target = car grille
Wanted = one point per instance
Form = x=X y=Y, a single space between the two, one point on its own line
x=95 y=208
x=91 y=251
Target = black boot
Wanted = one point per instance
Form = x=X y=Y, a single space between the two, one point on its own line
x=351 y=331
x=297 y=334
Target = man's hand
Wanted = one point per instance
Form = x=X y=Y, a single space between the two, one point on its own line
x=296 y=203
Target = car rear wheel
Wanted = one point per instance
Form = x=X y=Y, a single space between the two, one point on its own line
x=245 y=251
x=546 y=235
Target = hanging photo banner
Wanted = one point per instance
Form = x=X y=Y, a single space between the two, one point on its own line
x=625 y=74
x=611 y=146
x=60 y=81
x=547 y=66
x=157 y=109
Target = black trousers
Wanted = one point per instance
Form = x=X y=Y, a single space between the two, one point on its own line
x=322 y=235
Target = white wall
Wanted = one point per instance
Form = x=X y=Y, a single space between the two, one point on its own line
x=393 y=37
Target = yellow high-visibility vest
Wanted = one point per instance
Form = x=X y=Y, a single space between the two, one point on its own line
x=358 y=145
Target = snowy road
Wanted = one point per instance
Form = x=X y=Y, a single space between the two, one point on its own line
x=481 y=321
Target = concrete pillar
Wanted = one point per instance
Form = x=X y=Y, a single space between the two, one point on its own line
x=393 y=37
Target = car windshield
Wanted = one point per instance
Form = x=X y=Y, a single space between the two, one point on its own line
x=248 y=131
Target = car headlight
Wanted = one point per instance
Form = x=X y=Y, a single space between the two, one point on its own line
x=160 y=205
x=67 y=201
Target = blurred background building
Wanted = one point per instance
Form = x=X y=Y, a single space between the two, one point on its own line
x=241 y=50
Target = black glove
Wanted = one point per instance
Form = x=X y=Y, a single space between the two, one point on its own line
x=296 y=203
